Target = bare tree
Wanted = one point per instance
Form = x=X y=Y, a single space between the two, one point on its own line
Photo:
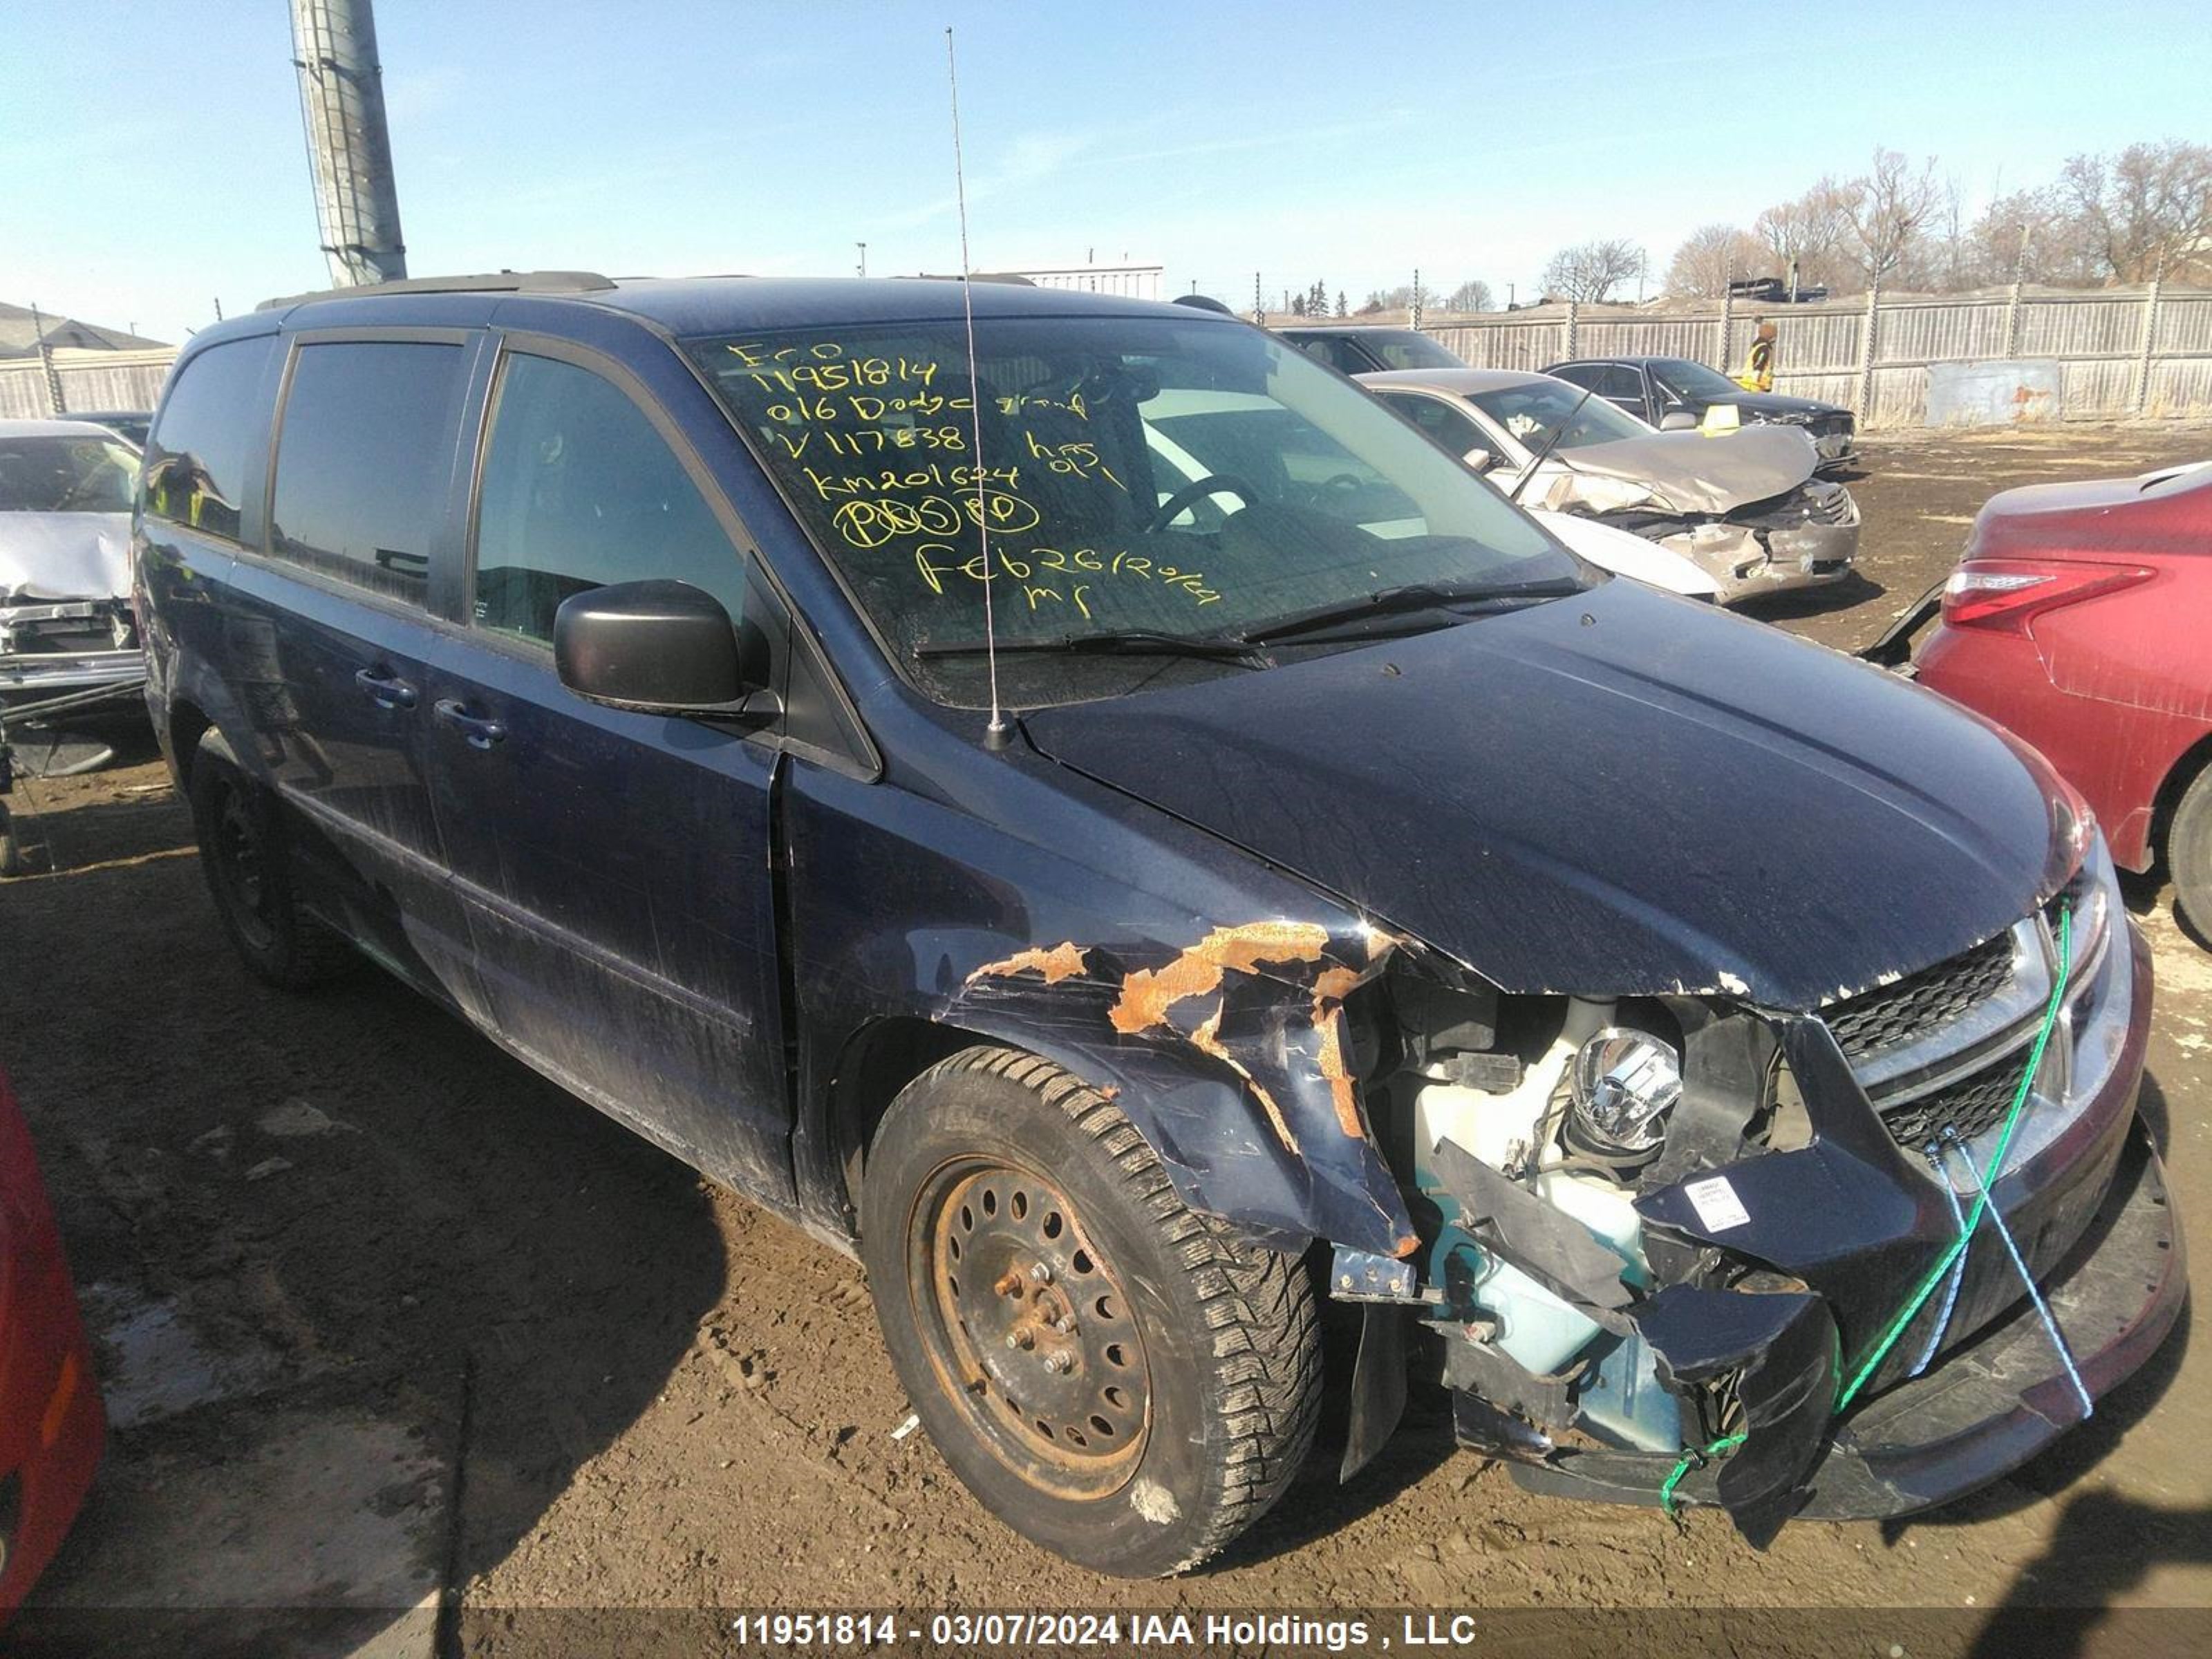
x=1891 y=206
x=1590 y=270
x=1711 y=258
x=1472 y=294
x=2146 y=209
x=1811 y=232
x=2036 y=236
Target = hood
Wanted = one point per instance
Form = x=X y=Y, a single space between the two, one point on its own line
x=1697 y=472
x=65 y=556
x=1594 y=795
x=1772 y=405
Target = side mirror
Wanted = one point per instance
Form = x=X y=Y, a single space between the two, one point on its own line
x=1481 y=459
x=1678 y=420
x=664 y=646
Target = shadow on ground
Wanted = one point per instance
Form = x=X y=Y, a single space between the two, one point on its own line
x=354 y=1213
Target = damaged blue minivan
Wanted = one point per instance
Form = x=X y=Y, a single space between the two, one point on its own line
x=1085 y=809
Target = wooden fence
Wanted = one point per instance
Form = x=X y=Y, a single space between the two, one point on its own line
x=85 y=380
x=2123 y=353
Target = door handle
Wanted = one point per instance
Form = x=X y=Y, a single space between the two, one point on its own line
x=481 y=733
x=385 y=689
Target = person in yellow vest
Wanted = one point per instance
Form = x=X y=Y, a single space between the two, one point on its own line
x=1758 y=362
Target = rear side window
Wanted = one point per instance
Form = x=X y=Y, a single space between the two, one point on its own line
x=578 y=491
x=1339 y=355
x=1457 y=433
x=365 y=459
x=1619 y=380
x=211 y=424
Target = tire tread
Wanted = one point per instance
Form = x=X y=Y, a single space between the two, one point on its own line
x=1257 y=1303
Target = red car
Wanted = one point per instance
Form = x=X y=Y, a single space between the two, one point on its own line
x=2080 y=617
x=51 y=1421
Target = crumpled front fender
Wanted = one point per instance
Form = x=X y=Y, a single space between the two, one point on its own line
x=1229 y=1056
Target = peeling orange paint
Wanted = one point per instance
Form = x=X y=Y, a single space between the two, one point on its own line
x=1148 y=995
x=1207 y=1039
x=1061 y=962
x=1330 y=989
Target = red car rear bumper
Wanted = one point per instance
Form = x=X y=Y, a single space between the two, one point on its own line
x=52 y=1426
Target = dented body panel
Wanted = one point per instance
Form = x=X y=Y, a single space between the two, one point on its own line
x=1050 y=913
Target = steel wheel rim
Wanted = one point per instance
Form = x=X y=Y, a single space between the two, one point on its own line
x=1027 y=1329
x=239 y=865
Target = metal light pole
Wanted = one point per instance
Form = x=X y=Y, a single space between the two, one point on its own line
x=348 y=147
x=863 y=269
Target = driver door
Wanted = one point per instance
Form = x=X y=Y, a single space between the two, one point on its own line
x=614 y=865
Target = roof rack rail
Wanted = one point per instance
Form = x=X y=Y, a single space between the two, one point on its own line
x=496 y=281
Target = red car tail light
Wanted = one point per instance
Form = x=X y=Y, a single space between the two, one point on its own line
x=2008 y=594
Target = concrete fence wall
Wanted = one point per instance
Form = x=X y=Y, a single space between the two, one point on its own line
x=2123 y=353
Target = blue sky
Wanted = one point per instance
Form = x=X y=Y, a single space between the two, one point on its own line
x=151 y=160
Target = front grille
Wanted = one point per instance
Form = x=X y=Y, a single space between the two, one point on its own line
x=1920 y=1004
x=1958 y=1111
x=1813 y=503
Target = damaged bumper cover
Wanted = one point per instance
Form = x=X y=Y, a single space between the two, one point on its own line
x=1779 y=1273
x=1979 y=1413
x=1808 y=537
x=48 y=648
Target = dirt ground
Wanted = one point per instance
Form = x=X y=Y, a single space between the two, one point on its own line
x=380 y=1312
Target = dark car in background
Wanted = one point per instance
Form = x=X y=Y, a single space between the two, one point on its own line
x=2080 y=617
x=1352 y=348
x=1672 y=391
x=129 y=424
x=1266 y=866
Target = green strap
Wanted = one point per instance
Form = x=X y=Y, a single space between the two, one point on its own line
x=1957 y=1247
x=1667 y=1487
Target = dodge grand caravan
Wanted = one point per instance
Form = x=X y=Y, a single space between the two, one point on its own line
x=1125 y=835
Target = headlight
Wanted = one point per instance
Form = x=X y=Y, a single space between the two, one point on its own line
x=2093 y=915
x=1624 y=1084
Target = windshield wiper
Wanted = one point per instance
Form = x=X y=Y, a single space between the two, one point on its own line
x=1413 y=596
x=1135 y=641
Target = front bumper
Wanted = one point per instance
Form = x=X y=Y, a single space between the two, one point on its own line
x=1983 y=1409
x=1747 y=559
x=2083 y=1193
x=53 y=674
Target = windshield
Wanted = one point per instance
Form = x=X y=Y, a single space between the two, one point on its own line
x=1534 y=409
x=61 y=472
x=1163 y=478
x=1687 y=379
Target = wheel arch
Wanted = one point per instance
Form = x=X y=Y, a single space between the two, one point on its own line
x=2193 y=762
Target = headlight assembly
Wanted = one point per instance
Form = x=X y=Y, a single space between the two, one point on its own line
x=1624 y=1084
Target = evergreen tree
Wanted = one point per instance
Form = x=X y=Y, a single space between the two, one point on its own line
x=1340 y=310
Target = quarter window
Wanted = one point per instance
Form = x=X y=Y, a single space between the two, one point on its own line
x=580 y=490
x=211 y=422
x=366 y=460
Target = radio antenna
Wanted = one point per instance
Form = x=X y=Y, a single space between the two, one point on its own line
x=1000 y=731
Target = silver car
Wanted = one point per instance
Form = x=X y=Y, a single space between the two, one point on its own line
x=65 y=619
x=1743 y=504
